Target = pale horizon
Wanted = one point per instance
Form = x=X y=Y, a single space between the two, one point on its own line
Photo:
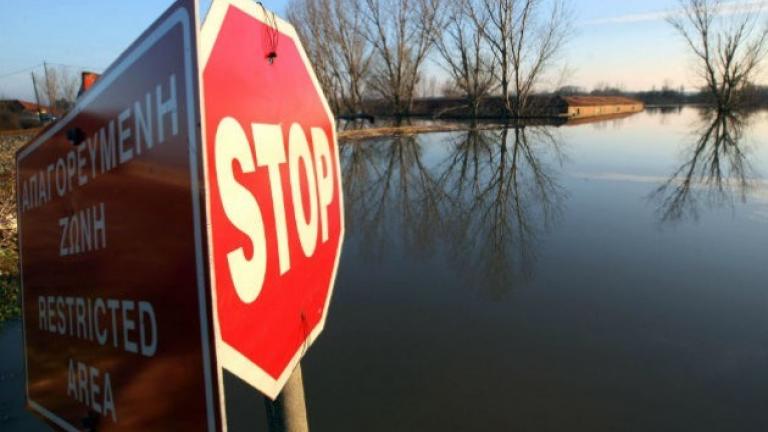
x=625 y=44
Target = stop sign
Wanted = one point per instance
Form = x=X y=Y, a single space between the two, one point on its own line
x=275 y=205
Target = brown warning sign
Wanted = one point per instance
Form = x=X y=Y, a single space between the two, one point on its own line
x=111 y=237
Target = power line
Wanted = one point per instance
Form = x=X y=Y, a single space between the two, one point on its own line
x=20 y=71
x=38 y=65
x=76 y=66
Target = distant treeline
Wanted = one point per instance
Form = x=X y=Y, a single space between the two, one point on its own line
x=549 y=104
x=753 y=96
x=453 y=107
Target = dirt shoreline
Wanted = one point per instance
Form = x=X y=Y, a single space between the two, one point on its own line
x=342 y=135
x=360 y=134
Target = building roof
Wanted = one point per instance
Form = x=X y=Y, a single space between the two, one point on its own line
x=23 y=105
x=599 y=100
x=29 y=106
x=87 y=80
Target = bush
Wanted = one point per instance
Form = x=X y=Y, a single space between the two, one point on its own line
x=9 y=288
x=9 y=120
x=10 y=304
x=8 y=252
x=9 y=256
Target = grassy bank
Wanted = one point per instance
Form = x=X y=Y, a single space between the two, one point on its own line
x=399 y=130
x=428 y=126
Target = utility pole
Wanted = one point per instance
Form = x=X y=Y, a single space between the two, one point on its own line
x=37 y=97
x=51 y=98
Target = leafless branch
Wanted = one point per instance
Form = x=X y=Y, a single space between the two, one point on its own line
x=729 y=48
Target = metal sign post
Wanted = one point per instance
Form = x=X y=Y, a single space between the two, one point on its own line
x=288 y=413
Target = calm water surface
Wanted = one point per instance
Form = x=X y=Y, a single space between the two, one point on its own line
x=609 y=276
x=597 y=277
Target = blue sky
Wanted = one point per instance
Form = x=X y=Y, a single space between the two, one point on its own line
x=620 y=42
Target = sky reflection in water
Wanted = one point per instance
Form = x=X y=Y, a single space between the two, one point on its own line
x=606 y=276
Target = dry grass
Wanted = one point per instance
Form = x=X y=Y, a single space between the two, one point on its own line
x=359 y=134
x=8 y=248
x=8 y=252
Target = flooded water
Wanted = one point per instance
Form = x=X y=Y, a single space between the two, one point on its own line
x=606 y=276
x=595 y=277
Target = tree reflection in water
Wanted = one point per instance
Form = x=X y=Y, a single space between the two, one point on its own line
x=482 y=203
x=716 y=171
x=390 y=194
x=505 y=195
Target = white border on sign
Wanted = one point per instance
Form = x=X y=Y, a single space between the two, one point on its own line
x=228 y=357
x=179 y=17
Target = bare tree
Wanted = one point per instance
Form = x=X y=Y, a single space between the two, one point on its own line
x=464 y=56
x=311 y=28
x=539 y=37
x=69 y=84
x=402 y=33
x=729 y=45
x=353 y=50
x=48 y=87
x=526 y=37
x=331 y=30
x=495 y=20
x=57 y=87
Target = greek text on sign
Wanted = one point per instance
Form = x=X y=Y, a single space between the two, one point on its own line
x=111 y=236
x=170 y=229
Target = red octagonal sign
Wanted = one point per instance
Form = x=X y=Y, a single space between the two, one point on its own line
x=275 y=205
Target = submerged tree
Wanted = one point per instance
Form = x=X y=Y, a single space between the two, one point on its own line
x=331 y=31
x=402 y=33
x=463 y=55
x=729 y=43
x=526 y=38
